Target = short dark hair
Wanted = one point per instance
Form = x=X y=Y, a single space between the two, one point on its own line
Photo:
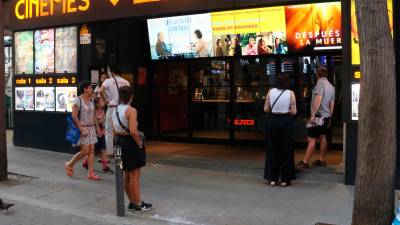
x=115 y=69
x=198 y=34
x=83 y=85
x=322 y=71
x=125 y=94
x=282 y=81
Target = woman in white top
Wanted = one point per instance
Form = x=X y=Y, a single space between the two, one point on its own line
x=125 y=125
x=279 y=162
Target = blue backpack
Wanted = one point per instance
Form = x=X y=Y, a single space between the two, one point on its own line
x=73 y=133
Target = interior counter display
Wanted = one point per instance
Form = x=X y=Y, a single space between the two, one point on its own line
x=24 y=98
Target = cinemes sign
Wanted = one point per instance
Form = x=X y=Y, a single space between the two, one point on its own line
x=27 y=9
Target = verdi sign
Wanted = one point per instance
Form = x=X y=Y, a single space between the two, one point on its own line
x=32 y=14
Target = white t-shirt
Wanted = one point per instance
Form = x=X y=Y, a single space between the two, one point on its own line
x=111 y=89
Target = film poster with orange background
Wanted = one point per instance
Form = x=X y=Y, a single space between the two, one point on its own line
x=313 y=26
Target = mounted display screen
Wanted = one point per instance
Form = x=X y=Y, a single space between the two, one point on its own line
x=260 y=31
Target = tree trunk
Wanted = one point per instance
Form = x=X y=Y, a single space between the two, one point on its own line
x=374 y=190
x=3 y=145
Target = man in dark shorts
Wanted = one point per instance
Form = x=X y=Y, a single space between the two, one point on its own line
x=322 y=106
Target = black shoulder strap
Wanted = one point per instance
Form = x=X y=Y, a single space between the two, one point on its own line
x=80 y=106
x=116 y=83
x=277 y=100
x=119 y=120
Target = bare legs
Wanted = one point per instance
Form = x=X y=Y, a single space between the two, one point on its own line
x=86 y=150
x=132 y=186
x=311 y=148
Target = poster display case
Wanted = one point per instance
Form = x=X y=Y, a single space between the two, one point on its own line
x=44 y=99
x=46 y=69
x=44 y=51
x=24 y=98
x=66 y=57
x=64 y=98
x=24 y=52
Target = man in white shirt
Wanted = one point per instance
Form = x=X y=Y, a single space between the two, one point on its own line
x=109 y=91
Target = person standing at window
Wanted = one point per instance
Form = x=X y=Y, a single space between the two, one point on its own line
x=322 y=106
x=279 y=162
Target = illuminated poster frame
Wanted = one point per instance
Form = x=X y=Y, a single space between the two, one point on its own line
x=39 y=78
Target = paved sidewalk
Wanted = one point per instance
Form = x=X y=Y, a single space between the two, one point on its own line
x=185 y=189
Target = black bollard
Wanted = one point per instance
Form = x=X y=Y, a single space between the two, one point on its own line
x=119 y=181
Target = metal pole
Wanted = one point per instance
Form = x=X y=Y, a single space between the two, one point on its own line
x=119 y=183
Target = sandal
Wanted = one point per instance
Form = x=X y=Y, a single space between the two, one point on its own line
x=68 y=170
x=93 y=176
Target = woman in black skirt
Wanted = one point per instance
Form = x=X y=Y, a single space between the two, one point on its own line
x=133 y=152
x=279 y=162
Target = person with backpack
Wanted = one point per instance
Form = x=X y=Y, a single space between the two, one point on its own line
x=83 y=114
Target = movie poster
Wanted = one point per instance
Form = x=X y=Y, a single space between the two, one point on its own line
x=181 y=37
x=44 y=51
x=355 y=99
x=24 y=98
x=44 y=99
x=313 y=27
x=355 y=47
x=66 y=50
x=64 y=98
x=24 y=52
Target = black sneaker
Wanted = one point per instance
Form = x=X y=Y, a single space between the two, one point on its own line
x=143 y=207
x=131 y=207
x=108 y=170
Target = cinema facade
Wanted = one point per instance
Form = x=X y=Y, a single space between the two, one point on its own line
x=200 y=69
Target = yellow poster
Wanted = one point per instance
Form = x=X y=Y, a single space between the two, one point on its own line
x=355 y=48
x=223 y=22
x=247 y=21
x=272 y=19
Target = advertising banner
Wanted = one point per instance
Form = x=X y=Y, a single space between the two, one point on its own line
x=24 y=52
x=24 y=98
x=44 y=51
x=355 y=47
x=44 y=99
x=66 y=50
x=181 y=36
x=314 y=27
x=64 y=98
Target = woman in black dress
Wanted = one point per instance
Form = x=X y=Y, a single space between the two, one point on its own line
x=133 y=152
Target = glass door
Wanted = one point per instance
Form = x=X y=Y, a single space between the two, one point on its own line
x=211 y=99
